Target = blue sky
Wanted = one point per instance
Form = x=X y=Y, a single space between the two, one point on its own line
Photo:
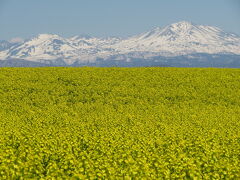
x=27 y=18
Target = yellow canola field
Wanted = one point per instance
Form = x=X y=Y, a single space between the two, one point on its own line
x=119 y=123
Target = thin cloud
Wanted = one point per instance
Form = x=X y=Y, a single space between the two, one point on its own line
x=16 y=40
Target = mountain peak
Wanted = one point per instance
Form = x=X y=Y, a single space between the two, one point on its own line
x=181 y=26
x=47 y=36
x=183 y=23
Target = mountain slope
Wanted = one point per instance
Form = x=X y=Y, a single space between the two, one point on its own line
x=5 y=45
x=183 y=38
x=178 y=39
x=50 y=47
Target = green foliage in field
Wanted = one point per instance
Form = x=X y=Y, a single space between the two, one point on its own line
x=115 y=123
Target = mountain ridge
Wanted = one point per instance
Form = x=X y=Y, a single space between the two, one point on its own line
x=178 y=39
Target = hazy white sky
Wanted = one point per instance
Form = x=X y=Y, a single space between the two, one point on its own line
x=26 y=18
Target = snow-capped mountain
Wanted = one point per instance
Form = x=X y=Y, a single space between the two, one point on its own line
x=183 y=38
x=51 y=47
x=160 y=45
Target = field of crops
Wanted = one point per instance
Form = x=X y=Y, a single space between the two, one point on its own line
x=115 y=123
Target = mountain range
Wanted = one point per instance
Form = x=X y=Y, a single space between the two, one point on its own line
x=181 y=44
